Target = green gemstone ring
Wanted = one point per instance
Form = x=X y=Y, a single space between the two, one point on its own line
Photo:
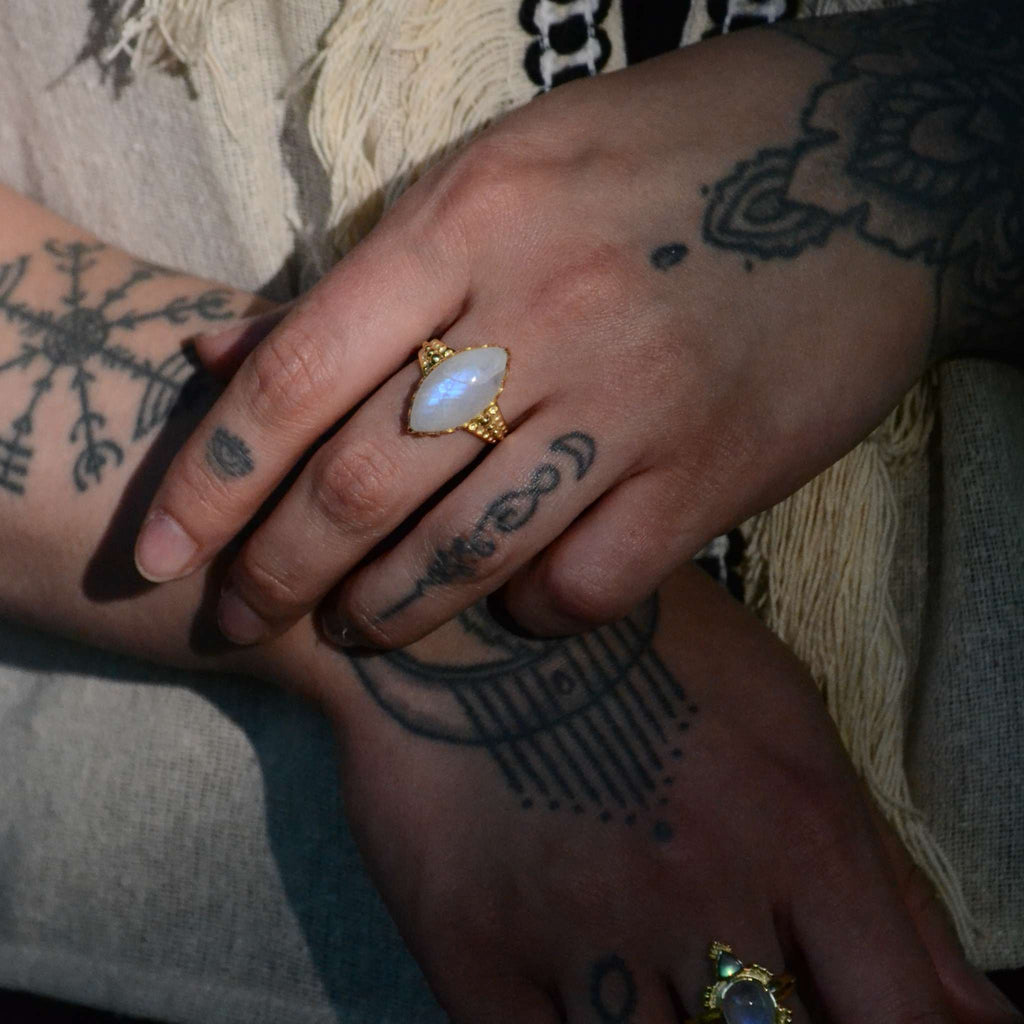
x=742 y=993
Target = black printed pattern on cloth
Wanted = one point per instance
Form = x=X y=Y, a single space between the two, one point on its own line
x=568 y=42
x=653 y=27
x=722 y=560
x=650 y=29
x=730 y=15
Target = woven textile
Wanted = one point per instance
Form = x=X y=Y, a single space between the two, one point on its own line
x=173 y=845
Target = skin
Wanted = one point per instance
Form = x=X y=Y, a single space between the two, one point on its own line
x=737 y=815
x=726 y=286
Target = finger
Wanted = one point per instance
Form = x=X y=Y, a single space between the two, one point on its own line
x=859 y=947
x=337 y=344
x=498 y=1001
x=361 y=485
x=518 y=500
x=972 y=997
x=356 y=489
x=603 y=566
x=751 y=946
x=222 y=352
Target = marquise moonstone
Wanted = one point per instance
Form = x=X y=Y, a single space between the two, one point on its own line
x=457 y=389
x=748 y=1002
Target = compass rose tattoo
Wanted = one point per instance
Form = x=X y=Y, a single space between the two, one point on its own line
x=75 y=343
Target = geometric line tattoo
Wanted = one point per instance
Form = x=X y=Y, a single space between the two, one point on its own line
x=509 y=512
x=589 y=724
x=81 y=339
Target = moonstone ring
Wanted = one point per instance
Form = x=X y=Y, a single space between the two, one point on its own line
x=743 y=994
x=459 y=391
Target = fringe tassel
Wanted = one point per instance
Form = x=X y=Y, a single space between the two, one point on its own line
x=818 y=566
x=398 y=87
x=159 y=33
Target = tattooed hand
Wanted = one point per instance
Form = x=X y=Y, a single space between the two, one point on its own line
x=714 y=272
x=561 y=828
x=557 y=825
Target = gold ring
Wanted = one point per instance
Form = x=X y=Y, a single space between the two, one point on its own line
x=459 y=391
x=743 y=993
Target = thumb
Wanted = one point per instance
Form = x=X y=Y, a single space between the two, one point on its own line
x=223 y=352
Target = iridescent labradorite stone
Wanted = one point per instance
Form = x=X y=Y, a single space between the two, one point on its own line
x=727 y=965
x=457 y=389
x=748 y=1002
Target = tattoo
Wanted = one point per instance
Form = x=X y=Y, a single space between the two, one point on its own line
x=228 y=455
x=76 y=342
x=666 y=256
x=613 y=993
x=914 y=143
x=588 y=724
x=506 y=514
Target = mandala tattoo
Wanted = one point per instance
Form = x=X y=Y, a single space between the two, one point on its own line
x=506 y=514
x=915 y=142
x=589 y=724
x=81 y=339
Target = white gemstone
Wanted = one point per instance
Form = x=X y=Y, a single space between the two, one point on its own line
x=748 y=1002
x=457 y=389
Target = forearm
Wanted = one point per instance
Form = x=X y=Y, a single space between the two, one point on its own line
x=96 y=391
x=910 y=142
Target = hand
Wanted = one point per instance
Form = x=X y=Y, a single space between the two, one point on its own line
x=433 y=810
x=560 y=828
x=706 y=298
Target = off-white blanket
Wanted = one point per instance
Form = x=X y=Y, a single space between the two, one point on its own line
x=170 y=844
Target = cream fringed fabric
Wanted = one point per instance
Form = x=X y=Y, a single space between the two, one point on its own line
x=396 y=86
x=399 y=86
x=154 y=31
x=158 y=32
x=818 y=572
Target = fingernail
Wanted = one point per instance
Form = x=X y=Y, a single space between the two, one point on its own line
x=164 y=549
x=237 y=621
x=342 y=634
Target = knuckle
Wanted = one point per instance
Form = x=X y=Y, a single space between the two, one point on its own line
x=269 y=588
x=286 y=379
x=473 y=556
x=354 y=488
x=580 y=597
x=593 y=290
x=362 y=628
x=484 y=185
x=822 y=836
